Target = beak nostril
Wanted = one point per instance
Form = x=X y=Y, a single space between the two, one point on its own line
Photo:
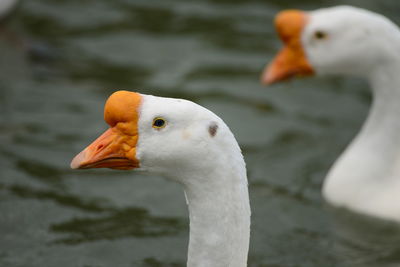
x=100 y=147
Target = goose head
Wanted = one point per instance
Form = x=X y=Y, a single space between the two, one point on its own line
x=191 y=145
x=161 y=135
x=338 y=40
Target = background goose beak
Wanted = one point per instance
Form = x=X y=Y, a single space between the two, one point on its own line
x=291 y=60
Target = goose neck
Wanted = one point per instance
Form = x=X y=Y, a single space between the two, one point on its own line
x=385 y=82
x=219 y=213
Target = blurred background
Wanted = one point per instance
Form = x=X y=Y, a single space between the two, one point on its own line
x=60 y=60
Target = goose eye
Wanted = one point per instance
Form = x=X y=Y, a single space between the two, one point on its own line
x=159 y=123
x=320 y=35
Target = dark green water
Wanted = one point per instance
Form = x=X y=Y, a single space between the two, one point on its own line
x=211 y=52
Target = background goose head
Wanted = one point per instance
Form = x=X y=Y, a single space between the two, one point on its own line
x=338 y=40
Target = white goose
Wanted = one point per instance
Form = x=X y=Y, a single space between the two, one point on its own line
x=188 y=144
x=352 y=41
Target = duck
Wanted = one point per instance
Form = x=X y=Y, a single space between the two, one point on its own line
x=6 y=7
x=351 y=41
x=7 y=11
x=190 y=145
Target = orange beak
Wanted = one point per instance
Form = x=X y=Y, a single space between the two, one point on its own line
x=291 y=60
x=115 y=148
x=112 y=150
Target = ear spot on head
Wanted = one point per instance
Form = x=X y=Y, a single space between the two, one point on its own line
x=212 y=129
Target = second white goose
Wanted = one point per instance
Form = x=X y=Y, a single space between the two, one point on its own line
x=346 y=40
